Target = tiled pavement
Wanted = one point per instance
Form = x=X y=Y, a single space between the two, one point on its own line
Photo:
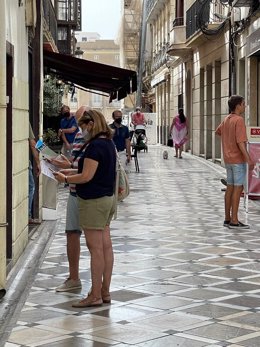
x=180 y=278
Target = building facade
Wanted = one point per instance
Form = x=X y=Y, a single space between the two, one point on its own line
x=129 y=42
x=26 y=28
x=104 y=52
x=201 y=52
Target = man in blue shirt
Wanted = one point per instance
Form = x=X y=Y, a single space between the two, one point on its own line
x=68 y=130
x=121 y=138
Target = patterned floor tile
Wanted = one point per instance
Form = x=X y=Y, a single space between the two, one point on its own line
x=180 y=278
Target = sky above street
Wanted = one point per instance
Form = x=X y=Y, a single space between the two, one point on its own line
x=102 y=16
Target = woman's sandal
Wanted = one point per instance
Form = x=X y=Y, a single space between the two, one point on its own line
x=88 y=302
x=106 y=299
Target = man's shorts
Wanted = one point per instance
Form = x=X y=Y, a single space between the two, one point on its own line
x=72 y=217
x=96 y=213
x=236 y=174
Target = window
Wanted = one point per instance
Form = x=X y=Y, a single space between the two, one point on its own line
x=96 y=100
x=74 y=98
x=116 y=57
x=66 y=10
x=96 y=57
x=62 y=34
x=116 y=104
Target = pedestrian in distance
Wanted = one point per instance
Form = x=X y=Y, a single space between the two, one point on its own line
x=179 y=132
x=233 y=138
x=95 y=184
x=121 y=138
x=72 y=228
x=67 y=131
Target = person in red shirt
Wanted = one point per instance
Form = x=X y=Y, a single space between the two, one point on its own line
x=138 y=117
x=233 y=137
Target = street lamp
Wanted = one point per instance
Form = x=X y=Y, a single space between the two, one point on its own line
x=79 y=53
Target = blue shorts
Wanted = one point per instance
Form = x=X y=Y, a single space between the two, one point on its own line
x=236 y=174
x=72 y=216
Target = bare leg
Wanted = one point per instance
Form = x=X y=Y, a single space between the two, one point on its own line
x=109 y=261
x=228 y=202
x=235 y=203
x=176 y=151
x=180 y=151
x=97 y=264
x=73 y=252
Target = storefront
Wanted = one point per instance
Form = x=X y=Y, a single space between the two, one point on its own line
x=253 y=58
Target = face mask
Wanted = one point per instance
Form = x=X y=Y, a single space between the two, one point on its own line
x=118 y=120
x=66 y=114
x=86 y=135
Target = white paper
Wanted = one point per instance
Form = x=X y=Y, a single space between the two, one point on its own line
x=45 y=168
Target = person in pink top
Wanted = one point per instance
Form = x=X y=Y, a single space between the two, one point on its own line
x=179 y=132
x=233 y=137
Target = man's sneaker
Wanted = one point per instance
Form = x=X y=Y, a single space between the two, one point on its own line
x=69 y=285
x=239 y=225
x=226 y=223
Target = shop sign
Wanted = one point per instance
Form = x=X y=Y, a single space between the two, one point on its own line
x=253 y=134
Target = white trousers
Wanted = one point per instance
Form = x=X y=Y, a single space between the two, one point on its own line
x=123 y=160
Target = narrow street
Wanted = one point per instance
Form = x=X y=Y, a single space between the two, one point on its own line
x=180 y=278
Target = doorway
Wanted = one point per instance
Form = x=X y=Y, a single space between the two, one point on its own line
x=9 y=157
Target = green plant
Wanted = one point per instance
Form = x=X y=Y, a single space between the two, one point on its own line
x=50 y=137
x=52 y=96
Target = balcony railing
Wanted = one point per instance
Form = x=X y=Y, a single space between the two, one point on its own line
x=201 y=16
x=196 y=15
x=160 y=57
x=153 y=7
x=50 y=19
x=178 y=22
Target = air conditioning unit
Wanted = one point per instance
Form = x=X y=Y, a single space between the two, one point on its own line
x=235 y=15
x=238 y=14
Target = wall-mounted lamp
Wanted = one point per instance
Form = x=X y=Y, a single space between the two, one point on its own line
x=20 y=3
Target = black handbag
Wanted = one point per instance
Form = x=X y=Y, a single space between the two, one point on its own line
x=170 y=142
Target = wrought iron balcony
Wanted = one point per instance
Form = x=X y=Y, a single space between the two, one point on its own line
x=201 y=17
x=160 y=57
x=178 y=22
x=153 y=8
x=49 y=24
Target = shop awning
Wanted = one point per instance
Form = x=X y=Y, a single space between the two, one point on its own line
x=116 y=82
